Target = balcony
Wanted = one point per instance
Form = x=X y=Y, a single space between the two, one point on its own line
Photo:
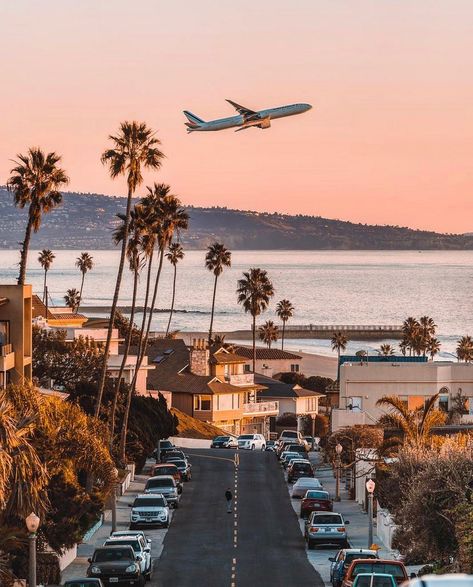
x=261 y=409
x=241 y=379
x=7 y=357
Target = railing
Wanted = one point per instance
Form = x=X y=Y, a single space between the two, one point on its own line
x=260 y=407
x=344 y=327
x=241 y=379
x=5 y=349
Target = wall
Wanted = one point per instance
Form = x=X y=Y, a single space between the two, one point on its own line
x=385 y=526
x=190 y=442
x=342 y=418
x=274 y=366
x=183 y=402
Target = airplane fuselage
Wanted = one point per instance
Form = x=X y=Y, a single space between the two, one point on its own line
x=262 y=119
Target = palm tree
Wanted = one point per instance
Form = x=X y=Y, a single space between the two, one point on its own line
x=284 y=311
x=465 y=349
x=174 y=255
x=268 y=333
x=46 y=258
x=410 y=329
x=84 y=263
x=427 y=328
x=254 y=291
x=72 y=299
x=217 y=257
x=339 y=343
x=415 y=425
x=35 y=182
x=433 y=347
x=134 y=147
x=386 y=350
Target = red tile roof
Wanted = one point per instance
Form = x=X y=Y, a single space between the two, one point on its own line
x=264 y=354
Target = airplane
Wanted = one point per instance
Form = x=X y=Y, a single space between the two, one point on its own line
x=246 y=118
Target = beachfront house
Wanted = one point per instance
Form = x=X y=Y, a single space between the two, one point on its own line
x=413 y=381
x=269 y=362
x=210 y=385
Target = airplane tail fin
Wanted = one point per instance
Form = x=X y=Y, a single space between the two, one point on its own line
x=193 y=119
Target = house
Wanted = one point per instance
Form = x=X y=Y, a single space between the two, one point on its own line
x=210 y=385
x=363 y=384
x=15 y=333
x=292 y=398
x=269 y=362
x=58 y=317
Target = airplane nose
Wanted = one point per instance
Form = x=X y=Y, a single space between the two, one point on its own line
x=307 y=107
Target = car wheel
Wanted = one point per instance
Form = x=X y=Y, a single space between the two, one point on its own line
x=252 y=447
x=166 y=524
x=176 y=505
x=263 y=447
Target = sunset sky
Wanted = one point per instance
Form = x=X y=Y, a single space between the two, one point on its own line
x=389 y=140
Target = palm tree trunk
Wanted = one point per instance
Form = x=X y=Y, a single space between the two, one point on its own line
x=103 y=372
x=283 y=332
x=145 y=307
x=81 y=288
x=44 y=285
x=254 y=343
x=173 y=297
x=213 y=309
x=139 y=360
x=24 y=249
x=125 y=357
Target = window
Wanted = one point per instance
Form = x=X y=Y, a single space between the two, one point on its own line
x=247 y=368
x=443 y=403
x=311 y=404
x=202 y=402
x=4 y=332
x=404 y=400
x=295 y=368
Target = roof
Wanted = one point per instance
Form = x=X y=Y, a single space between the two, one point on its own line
x=39 y=309
x=265 y=354
x=276 y=388
x=223 y=357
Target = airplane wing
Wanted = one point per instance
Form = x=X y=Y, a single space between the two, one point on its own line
x=241 y=109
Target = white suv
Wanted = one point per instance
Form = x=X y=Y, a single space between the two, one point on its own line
x=140 y=547
x=251 y=442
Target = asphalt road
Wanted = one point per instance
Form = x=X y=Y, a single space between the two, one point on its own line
x=258 y=544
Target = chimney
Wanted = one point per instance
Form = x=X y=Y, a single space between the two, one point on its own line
x=199 y=357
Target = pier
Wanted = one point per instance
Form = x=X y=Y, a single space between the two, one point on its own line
x=326 y=331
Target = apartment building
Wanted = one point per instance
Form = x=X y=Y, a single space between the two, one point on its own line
x=15 y=333
x=269 y=362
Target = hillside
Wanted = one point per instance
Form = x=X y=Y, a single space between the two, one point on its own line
x=85 y=221
x=190 y=427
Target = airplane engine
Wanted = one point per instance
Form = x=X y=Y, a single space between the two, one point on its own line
x=265 y=123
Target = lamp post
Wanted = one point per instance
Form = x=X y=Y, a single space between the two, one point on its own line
x=338 y=450
x=114 y=499
x=370 y=485
x=32 y=524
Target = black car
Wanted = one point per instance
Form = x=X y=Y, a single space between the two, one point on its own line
x=87 y=582
x=224 y=442
x=178 y=454
x=116 y=565
x=164 y=447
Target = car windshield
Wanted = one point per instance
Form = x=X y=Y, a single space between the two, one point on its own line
x=379 y=567
x=373 y=581
x=169 y=470
x=246 y=437
x=81 y=583
x=350 y=557
x=145 y=503
x=302 y=467
x=153 y=483
x=326 y=519
x=307 y=482
x=133 y=543
x=180 y=463
x=165 y=444
x=317 y=495
x=289 y=434
x=105 y=555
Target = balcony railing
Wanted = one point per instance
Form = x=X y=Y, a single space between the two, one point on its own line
x=261 y=408
x=5 y=349
x=241 y=379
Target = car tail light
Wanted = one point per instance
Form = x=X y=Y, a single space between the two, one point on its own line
x=314 y=529
x=341 y=529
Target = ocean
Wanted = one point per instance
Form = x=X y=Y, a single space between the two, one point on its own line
x=326 y=287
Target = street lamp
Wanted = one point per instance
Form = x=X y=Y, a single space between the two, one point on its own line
x=32 y=524
x=338 y=450
x=114 y=473
x=370 y=485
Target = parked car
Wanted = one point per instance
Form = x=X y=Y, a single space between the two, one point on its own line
x=291 y=435
x=165 y=458
x=315 y=500
x=300 y=448
x=326 y=528
x=270 y=445
x=343 y=560
x=224 y=442
x=164 y=485
x=116 y=564
x=298 y=469
x=168 y=469
x=87 y=582
x=301 y=486
x=184 y=468
x=164 y=446
x=374 y=580
x=390 y=567
x=251 y=442
x=140 y=547
x=287 y=456
x=282 y=447
x=149 y=510
x=310 y=442
x=132 y=533
x=450 y=580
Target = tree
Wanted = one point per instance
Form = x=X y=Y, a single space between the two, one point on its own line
x=268 y=333
x=339 y=343
x=72 y=299
x=284 y=311
x=465 y=349
x=84 y=263
x=433 y=347
x=217 y=257
x=35 y=182
x=134 y=147
x=254 y=291
x=45 y=258
x=427 y=328
x=415 y=426
x=410 y=329
x=386 y=350
x=174 y=255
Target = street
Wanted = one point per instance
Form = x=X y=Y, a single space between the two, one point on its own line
x=260 y=543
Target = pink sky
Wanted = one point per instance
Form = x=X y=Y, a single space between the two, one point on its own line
x=389 y=140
